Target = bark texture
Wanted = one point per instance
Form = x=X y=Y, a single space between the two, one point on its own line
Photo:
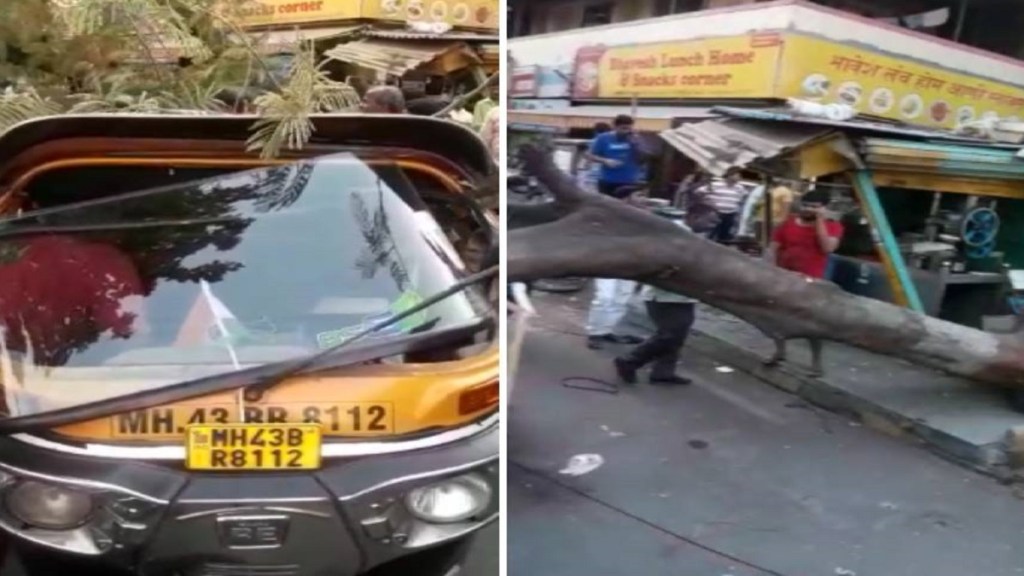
x=595 y=236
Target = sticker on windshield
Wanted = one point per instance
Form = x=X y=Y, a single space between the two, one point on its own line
x=407 y=301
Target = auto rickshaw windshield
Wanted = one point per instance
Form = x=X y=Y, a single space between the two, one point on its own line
x=143 y=290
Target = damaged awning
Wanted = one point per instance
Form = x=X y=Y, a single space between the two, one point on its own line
x=284 y=40
x=396 y=57
x=720 y=144
x=647 y=118
x=166 y=51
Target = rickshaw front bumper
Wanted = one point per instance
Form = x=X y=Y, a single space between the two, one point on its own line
x=369 y=515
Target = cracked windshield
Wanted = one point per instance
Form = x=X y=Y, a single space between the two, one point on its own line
x=766 y=265
x=143 y=290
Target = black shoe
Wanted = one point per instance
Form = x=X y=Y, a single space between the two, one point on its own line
x=625 y=370
x=596 y=342
x=670 y=380
x=623 y=339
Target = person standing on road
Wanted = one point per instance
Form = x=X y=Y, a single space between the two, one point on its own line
x=673 y=315
x=490 y=132
x=726 y=195
x=483 y=107
x=618 y=156
x=590 y=173
x=384 y=100
x=804 y=242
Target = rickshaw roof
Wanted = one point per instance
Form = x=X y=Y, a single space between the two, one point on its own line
x=448 y=139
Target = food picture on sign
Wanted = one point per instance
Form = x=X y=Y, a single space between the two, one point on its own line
x=816 y=85
x=939 y=111
x=390 y=7
x=849 y=93
x=911 y=106
x=965 y=114
x=482 y=14
x=882 y=100
x=439 y=11
x=460 y=13
x=414 y=10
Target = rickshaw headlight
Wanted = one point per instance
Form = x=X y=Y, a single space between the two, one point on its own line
x=452 y=500
x=48 y=506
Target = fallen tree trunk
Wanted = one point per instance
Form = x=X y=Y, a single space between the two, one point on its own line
x=596 y=236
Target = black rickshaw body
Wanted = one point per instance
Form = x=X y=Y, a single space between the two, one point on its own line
x=102 y=456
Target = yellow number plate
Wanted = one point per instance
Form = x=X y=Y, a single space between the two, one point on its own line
x=253 y=447
x=337 y=418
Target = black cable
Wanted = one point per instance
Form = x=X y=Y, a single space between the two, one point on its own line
x=601 y=385
x=648 y=523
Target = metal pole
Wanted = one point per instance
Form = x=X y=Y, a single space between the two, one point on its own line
x=900 y=282
x=961 y=12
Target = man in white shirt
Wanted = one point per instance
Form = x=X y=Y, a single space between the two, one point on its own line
x=726 y=195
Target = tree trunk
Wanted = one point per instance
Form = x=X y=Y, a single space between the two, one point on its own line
x=601 y=237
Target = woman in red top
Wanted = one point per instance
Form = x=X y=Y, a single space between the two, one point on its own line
x=803 y=242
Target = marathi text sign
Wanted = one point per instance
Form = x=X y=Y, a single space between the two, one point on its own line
x=727 y=67
x=459 y=13
x=891 y=87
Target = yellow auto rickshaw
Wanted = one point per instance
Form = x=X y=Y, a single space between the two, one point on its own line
x=213 y=363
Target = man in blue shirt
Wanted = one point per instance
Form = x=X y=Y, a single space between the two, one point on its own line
x=618 y=158
x=618 y=155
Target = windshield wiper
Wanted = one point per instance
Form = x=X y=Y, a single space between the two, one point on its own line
x=266 y=376
x=255 y=391
x=10 y=231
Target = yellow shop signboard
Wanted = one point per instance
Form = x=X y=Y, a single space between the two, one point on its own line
x=726 y=67
x=791 y=65
x=290 y=12
x=460 y=13
x=891 y=87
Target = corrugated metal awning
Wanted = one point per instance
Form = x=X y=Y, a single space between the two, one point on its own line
x=721 y=144
x=935 y=157
x=266 y=42
x=278 y=40
x=648 y=118
x=395 y=57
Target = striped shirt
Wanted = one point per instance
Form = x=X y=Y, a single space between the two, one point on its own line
x=726 y=198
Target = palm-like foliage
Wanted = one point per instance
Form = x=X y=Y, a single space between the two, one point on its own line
x=152 y=56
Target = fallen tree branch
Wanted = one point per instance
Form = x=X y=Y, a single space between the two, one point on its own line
x=606 y=238
x=461 y=100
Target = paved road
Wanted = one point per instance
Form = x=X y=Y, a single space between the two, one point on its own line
x=731 y=477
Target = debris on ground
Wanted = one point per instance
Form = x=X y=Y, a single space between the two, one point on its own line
x=581 y=464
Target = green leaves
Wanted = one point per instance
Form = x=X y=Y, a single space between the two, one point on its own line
x=284 y=115
x=19 y=106
x=125 y=56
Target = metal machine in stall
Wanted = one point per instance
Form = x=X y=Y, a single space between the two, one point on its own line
x=952 y=259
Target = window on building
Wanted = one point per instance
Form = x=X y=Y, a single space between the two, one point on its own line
x=666 y=7
x=597 y=14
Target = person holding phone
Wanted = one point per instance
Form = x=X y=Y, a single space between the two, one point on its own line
x=618 y=154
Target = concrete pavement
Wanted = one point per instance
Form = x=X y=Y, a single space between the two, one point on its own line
x=730 y=476
x=963 y=420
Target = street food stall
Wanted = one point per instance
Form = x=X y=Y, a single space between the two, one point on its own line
x=438 y=47
x=925 y=210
